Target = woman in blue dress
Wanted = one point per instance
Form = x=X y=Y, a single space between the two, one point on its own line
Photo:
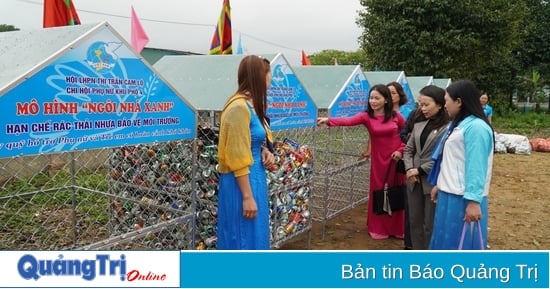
x=243 y=205
x=464 y=177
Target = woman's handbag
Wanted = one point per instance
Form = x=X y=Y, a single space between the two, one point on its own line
x=401 y=166
x=389 y=199
x=472 y=226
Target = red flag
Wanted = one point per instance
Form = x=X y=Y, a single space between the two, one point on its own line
x=305 y=60
x=138 y=35
x=222 y=39
x=59 y=13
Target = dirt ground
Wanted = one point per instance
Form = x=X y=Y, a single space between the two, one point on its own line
x=519 y=218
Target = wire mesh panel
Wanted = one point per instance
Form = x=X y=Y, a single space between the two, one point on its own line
x=291 y=184
x=53 y=201
x=172 y=234
x=207 y=178
x=341 y=178
x=339 y=190
x=76 y=199
x=152 y=184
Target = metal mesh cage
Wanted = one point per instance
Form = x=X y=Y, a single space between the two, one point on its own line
x=341 y=178
x=289 y=182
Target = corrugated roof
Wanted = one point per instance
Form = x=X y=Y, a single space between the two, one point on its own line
x=382 y=77
x=21 y=51
x=324 y=82
x=206 y=81
x=442 y=82
x=418 y=82
x=152 y=55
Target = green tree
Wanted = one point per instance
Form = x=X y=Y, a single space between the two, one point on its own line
x=5 y=28
x=535 y=51
x=534 y=54
x=329 y=57
x=534 y=87
x=445 y=38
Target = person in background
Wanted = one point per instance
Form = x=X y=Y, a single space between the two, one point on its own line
x=415 y=116
x=488 y=109
x=428 y=127
x=383 y=124
x=243 y=205
x=466 y=165
x=399 y=98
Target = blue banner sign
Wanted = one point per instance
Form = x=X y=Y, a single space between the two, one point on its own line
x=97 y=94
x=289 y=105
x=353 y=98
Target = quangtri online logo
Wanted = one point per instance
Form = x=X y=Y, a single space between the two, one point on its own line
x=29 y=267
x=96 y=269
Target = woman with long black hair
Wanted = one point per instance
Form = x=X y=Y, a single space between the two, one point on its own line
x=465 y=171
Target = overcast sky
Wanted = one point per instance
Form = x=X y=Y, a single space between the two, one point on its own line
x=266 y=26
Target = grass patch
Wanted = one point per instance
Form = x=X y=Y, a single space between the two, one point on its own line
x=529 y=124
x=43 y=212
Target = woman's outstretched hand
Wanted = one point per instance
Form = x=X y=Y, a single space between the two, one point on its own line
x=322 y=120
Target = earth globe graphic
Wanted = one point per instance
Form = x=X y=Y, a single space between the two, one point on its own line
x=102 y=57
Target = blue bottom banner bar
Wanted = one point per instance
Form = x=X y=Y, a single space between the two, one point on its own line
x=364 y=269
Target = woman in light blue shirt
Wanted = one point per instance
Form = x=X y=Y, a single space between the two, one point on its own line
x=484 y=100
x=465 y=172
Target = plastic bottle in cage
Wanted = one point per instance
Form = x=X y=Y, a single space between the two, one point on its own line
x=291 y=226
x=211 y=241
x=294 y=144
